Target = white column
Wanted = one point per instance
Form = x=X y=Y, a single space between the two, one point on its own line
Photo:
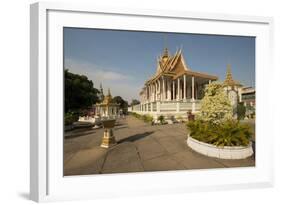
x=184 y=87
x=178 y=97
x=164 y=89
x=192 y=88
x=149 y=92
x=174 y=90
x=148 y=96
x=210 y=81
x=154 y=90
x=169 y=90
x=159 y=90
x=146 y=93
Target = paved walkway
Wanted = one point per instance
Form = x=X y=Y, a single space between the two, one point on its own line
x=140 y=147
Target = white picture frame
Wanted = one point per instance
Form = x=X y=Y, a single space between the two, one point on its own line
x=46 y=178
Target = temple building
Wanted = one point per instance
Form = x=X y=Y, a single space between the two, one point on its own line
x=174 y=89
x=107 y=108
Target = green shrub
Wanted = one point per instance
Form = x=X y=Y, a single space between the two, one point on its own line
x=241 y=111
x=161 y=119
x=70 y=117
x=230 y=133
x=147 y=118
x=179 y=118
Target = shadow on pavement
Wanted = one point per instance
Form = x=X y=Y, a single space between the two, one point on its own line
x=135 y=137
x=120 y=127
x=80 y=133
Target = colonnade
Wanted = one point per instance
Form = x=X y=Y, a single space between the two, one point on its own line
x=167 y=89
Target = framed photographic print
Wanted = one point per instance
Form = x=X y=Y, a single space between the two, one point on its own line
x=127 y=102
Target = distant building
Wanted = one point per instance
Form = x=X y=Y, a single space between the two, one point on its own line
x=248 y=96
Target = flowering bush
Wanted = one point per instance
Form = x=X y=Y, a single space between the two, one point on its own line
x=215 y=124
x=215 y=106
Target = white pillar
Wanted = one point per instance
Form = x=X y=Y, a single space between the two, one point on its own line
x=174 y=90
x=192 y=88
x=158 y=107
x=154 y=92
x=184 y=87
x=169 y=90
x=210 y=81
x=150 y=92
x=156 y=83
x=164 y=89
x=178 y=97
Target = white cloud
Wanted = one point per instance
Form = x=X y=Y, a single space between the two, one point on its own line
x=94 y=71
x=119 y=83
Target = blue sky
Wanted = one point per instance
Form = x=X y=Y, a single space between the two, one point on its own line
x=123 y=60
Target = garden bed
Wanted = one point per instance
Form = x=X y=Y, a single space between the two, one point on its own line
x=226 y=152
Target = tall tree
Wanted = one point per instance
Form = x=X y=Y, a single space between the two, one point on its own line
x=79 y=92
x=135 y=102
x=123 y=103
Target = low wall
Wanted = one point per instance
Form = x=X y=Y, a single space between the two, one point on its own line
x=167 y=108
x=226 y=152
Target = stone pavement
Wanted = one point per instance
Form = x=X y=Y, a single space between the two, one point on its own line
x=141 y=147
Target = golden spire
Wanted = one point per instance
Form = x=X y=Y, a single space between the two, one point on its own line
x=109 y=94
x=166 y=52
x=108 y=98
x=228 y=79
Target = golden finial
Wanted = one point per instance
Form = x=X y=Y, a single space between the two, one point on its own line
x=109 y=94
x=166 y=52
x=228 y=73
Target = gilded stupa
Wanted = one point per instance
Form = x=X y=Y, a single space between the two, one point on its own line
x=229 y=81
x=107 y=108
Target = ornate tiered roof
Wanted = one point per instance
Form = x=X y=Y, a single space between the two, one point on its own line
x=175 y=66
